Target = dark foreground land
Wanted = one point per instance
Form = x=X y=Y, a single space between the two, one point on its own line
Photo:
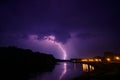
x=21 y=64
x=102 y=71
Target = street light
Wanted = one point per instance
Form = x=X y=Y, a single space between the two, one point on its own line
x=117 y=58
x=108 y=59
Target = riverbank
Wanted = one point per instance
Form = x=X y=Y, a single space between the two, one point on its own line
x=20 y=64
x=102 y=71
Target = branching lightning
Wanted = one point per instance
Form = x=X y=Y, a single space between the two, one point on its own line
x=52 y=39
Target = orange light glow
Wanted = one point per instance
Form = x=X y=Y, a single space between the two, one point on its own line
x=96 y=60
x=91 y=60
x=87 y=67
x=84 y=60
x=91 y=68
x=99 y=60
x=117 y=58
x=108 y=59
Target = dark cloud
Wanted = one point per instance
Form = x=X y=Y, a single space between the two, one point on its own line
x=86 y=35
x=93 y=22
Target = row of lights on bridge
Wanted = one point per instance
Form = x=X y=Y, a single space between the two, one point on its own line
x=91 y=60
x=117 y=58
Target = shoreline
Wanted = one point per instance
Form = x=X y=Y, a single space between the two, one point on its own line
x=102 y=71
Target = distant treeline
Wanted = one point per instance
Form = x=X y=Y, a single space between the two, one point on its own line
x=25 y=57
x=20 y=64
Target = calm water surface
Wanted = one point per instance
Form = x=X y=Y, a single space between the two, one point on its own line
x=64 y=71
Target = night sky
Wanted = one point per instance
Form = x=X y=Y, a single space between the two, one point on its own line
x=84 y=28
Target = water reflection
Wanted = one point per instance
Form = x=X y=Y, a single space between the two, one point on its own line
x=87 y=67
x=64 y=71
x=74 y=66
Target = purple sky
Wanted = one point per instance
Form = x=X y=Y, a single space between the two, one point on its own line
x=84 y=28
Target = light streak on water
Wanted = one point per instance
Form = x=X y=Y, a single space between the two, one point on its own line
x=64 y=71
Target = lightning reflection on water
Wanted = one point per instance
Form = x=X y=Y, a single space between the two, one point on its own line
x=64 y=71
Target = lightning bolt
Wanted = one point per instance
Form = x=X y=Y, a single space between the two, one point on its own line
x=51 y=39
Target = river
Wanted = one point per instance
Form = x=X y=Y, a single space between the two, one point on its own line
x=64 y=71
